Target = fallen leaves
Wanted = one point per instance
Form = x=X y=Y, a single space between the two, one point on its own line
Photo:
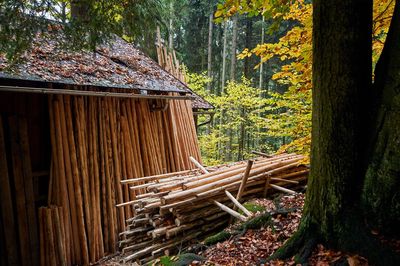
x=255 y=246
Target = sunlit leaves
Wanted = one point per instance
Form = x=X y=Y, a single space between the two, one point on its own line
x=289 y=114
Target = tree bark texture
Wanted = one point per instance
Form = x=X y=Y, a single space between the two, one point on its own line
x=233 y=47
x=80 y=10
x=209 y=49
x=381 y=195
x=355 y=156
x=341 y=82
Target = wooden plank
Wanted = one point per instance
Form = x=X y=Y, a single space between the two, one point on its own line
x=29 y=190
x=22 y=215
x=6 y=204
x=244 y=180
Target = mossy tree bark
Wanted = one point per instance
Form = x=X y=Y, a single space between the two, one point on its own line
x=381 y=194
x=355 y=156
x=342 y=90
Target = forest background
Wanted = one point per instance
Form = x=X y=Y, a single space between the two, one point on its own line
x=256 y=68
x=254 y=64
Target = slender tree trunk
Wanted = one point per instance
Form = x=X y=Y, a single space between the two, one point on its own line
x=171 y=26
x=249 y=34
x=242 y=134
x=63 y=12
x=228 y=150
x=79 y=10
x=224 y=58
x=234 y=47
x=260 y=82
x=221 y=119
x=209 y=48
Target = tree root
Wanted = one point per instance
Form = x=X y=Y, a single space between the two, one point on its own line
x=300 y=245
x=352 y=238
x=254 y=223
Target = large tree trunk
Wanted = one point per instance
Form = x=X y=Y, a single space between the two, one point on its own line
x=381 y=195
x=341 y=87
x=344 y=111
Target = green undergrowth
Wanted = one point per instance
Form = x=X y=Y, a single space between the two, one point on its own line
x=253 y=207
x=257 y=222
x=179 y=260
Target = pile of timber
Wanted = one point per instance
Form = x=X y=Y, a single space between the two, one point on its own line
x=179 y=207
x=97 y=142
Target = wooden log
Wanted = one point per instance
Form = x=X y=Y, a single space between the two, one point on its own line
x=6 y=203
x=19 y=186
x=79 y=234
x=269 y=169
x=284 y=180
x=212 y=177
x=77 y=178
x=289 y=191
x=60 y=240
x=117 y=162
x=231 y=212
x=103 y=176
x=237 y=204
x=198 y=165
x=136 y=246
x=60 y=179
x=93 y=247
x=262 y=154
x=98 y=233
x=50 y=237
x=155 y=177
x=29 y=190
x=244 y=180
x=42 y=234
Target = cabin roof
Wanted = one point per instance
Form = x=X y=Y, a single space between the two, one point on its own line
x=118 y=64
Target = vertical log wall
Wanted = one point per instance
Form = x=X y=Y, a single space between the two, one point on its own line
x=96 y=142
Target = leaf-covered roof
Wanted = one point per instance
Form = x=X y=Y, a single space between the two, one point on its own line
x=116 y=65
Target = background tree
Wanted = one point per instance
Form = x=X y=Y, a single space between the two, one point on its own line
x=97 y=21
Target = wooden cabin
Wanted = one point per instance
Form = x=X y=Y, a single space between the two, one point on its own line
x=72 y=126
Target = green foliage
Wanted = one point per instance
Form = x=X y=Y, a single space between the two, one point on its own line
x=252 y=207
x=237 y=120
x=96 y=22
x=179 y=260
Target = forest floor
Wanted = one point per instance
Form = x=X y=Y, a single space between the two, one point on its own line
x=256 y=245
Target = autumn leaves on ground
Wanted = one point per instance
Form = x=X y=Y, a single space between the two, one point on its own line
x=255 y=246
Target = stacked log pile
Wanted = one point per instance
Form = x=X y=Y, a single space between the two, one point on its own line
x=96 y=143
x=179 y=207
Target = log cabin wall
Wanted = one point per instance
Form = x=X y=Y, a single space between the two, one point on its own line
x=24 y=174
x=72 y=153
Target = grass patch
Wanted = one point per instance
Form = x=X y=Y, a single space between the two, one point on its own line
x=253 y=207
